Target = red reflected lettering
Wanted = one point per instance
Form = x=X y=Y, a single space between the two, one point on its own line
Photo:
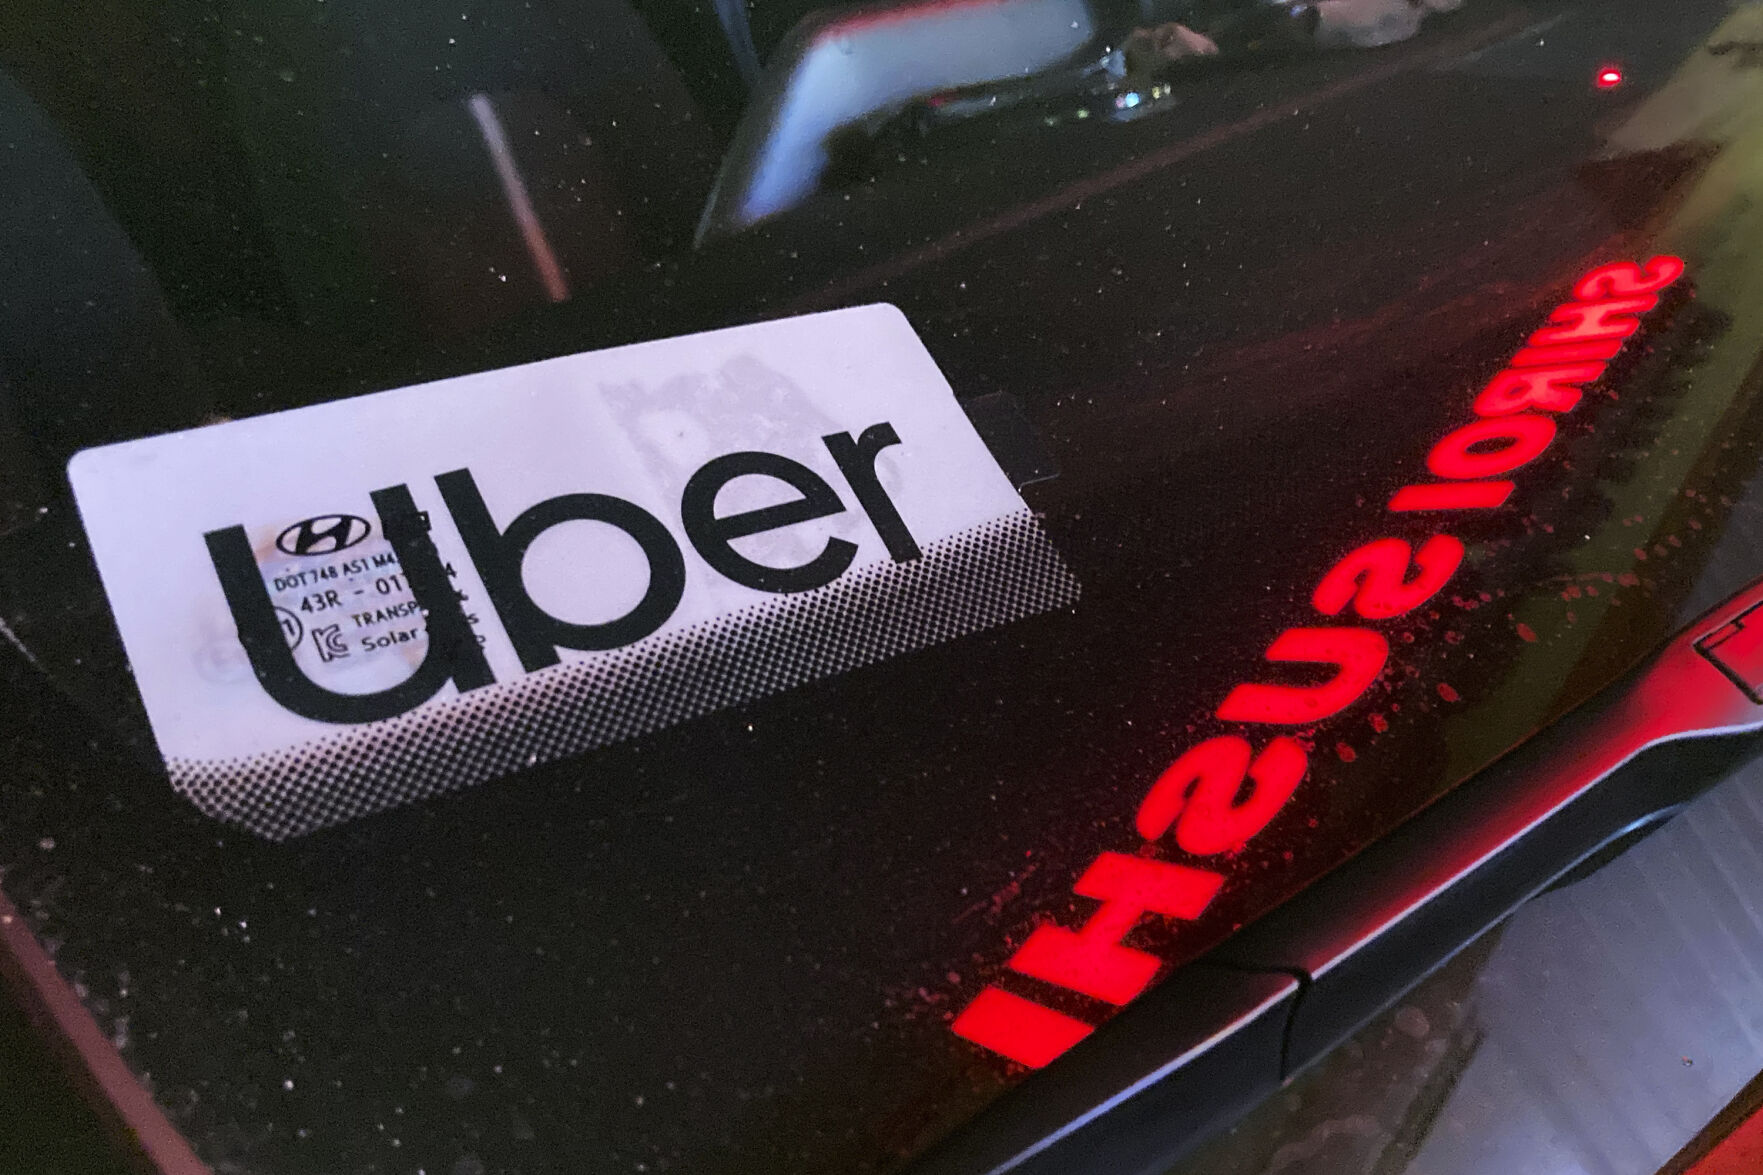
x=1373 y=577
x=1092 y=960
x=1625 y=277
x=1198 y=793
x=1579 y=322
x=1553 y=389
x=1358 y=655
x=1201 y=796
x=1218 y=762
x=1521 y=439
x=1451 y=495
x=1595 y=351
x=1020 y=1029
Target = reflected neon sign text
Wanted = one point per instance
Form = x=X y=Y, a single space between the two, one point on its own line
x=1198 y=801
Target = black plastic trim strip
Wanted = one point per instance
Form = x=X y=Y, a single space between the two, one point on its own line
x=1223 y=1032
x=1628 y=759
x=1191 y=1055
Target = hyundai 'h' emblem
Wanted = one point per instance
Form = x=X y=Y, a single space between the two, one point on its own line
x=324 y=535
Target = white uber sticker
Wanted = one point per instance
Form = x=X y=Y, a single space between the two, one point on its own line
x=340 y=608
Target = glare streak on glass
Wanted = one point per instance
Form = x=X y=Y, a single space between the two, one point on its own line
x=519 y=204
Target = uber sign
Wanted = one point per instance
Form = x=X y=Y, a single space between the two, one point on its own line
x=344 y=607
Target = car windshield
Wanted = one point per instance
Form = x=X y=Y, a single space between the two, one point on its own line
x=1213 y=283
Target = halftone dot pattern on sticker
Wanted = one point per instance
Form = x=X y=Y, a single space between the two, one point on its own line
x=985 y=576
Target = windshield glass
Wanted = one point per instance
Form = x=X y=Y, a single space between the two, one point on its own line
x=1212 y=282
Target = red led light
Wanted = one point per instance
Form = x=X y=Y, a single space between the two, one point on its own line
x=1091 y=960
x=1621 y=278
x=1371 y=578
x=1609 y=77
x=1198 y=794
x=1553 y=389
x=1451 y=495
x=1581 y=322
x=1220 y=762
x=1201 y=789
x=1145 y=884
x=1358 y=655
x=1020 y=1029
x=1598 y=351
x=1518 y=440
